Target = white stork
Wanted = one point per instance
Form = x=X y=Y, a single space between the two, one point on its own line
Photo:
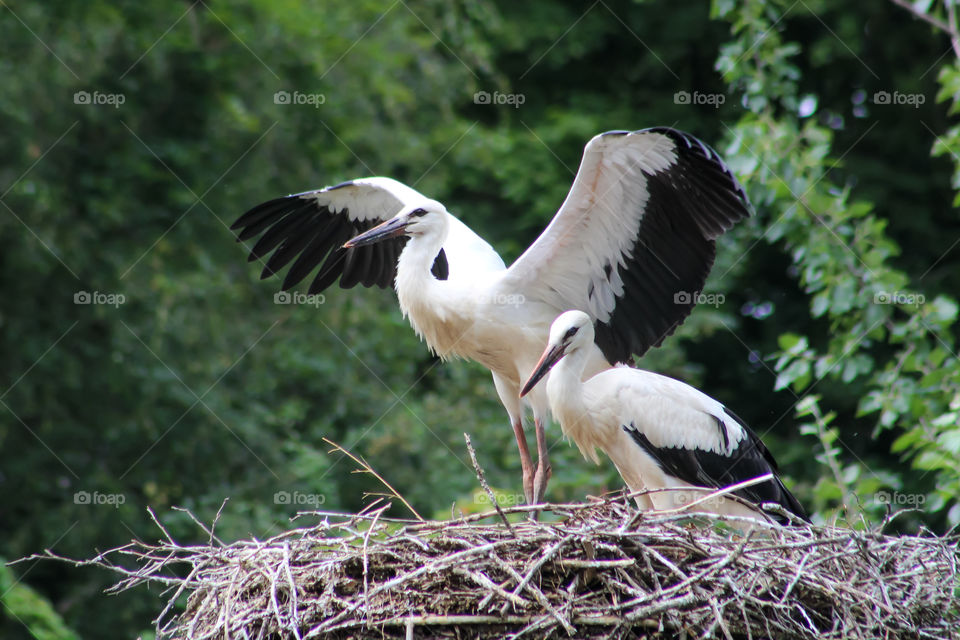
x=658 y=431
x=632 y=244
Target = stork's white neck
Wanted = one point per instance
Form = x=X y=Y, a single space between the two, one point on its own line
x=423 y=298
x=568 y=403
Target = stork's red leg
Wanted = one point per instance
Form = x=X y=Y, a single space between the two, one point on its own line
x=544 y=471
x=526 y=462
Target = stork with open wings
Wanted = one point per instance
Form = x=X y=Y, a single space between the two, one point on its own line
x=631 y=246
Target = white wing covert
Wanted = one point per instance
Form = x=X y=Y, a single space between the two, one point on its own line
x=634 y=240
x=696 y=439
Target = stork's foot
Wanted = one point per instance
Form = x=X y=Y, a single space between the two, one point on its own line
x=540 y=479
x=528 y=484
x=542 y=475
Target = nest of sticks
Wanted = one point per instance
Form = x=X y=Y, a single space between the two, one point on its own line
x=601 y=570
x=604 y=570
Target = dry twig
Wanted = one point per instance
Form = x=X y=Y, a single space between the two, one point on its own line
x=366 y=468
x=486 y=487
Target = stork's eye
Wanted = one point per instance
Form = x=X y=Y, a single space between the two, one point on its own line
x=572 y=331
x=418 y=213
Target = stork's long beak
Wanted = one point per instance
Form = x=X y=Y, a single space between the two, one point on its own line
x=550 y=357
x=390 y=229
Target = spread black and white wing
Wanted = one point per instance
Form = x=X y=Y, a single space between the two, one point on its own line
x=309 y=229
x=634 y=240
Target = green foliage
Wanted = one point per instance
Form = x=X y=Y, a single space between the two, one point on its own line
x=883 y=334
x=28 y=611
x=196 y=388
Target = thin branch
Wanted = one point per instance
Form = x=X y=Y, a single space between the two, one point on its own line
x=366 y=468
x=949 y=28
x=486 y=487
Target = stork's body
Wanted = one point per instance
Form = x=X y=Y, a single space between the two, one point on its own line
x=479 y=315
x=658 y=432
x=636 y=231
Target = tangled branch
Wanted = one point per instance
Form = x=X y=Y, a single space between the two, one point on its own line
x=602 y=571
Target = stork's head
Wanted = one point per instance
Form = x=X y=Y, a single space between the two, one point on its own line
x=427 y=218
x=569 y=333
